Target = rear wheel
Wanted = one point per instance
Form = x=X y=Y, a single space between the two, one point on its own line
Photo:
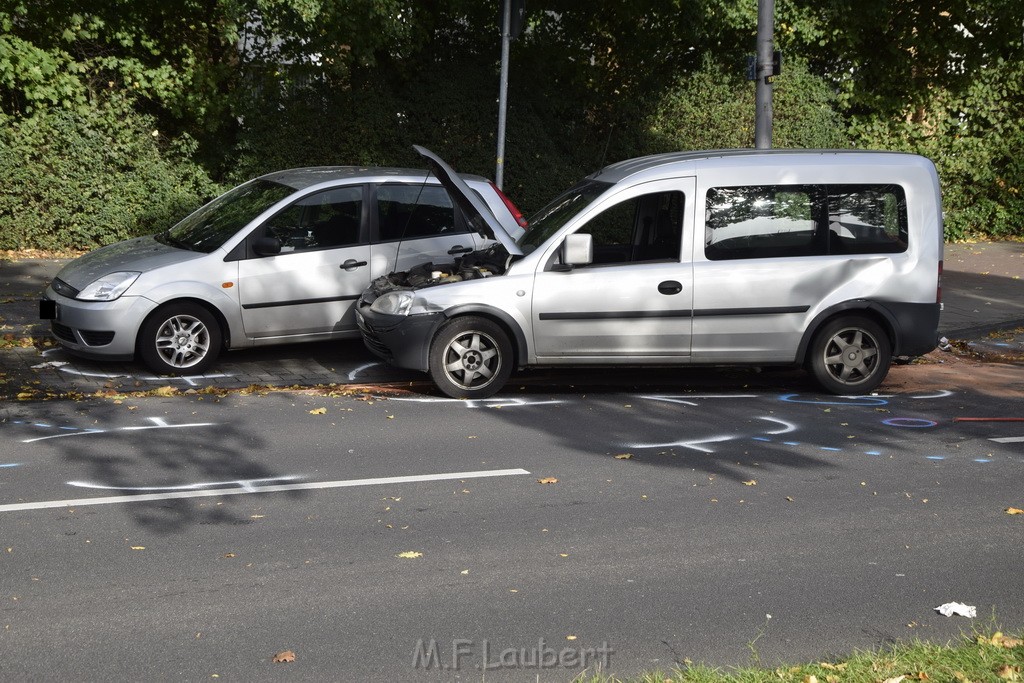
x=850 y=355
x=470 y=357
x=180 y=339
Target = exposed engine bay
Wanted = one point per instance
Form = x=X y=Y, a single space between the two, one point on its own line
x=489 y=262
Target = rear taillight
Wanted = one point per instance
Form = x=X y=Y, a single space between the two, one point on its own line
x=938 y=286
x=512 y=208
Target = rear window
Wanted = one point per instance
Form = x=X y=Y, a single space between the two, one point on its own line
x=765 y=221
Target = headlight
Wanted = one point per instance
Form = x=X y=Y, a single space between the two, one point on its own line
x=393 y=303
x=108 y=287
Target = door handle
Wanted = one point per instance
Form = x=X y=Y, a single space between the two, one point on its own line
x=460 y=250
x=670 y=287
x=352 y=264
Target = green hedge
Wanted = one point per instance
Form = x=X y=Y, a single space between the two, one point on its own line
x=81 y=178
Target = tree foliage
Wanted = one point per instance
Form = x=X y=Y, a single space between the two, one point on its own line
x=235 y=88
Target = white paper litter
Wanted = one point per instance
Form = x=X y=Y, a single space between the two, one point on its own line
x=50 y=364
x=951 y=608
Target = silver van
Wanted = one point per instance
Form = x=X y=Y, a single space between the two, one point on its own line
x=827 y=259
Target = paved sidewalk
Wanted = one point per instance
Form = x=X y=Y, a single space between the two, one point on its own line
x=983 y=294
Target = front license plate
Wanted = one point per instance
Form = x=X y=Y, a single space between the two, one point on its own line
x=47 y=309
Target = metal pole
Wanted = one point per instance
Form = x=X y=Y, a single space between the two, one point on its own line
x=763 y=97
x=506 y=39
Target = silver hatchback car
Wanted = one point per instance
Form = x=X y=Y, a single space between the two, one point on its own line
x=827 y=259
x=279 y=259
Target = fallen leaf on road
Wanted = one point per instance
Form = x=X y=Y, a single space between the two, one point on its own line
x=409 y=555
x=165 y=391
x=547 y=480
x=623 y=456
x=286 y=656
x=318 y=411
x=752 y=482
x=1014 y=511
x=138 y=547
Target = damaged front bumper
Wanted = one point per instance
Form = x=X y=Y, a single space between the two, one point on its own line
x=401 y=340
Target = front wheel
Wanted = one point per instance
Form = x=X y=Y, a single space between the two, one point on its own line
x=180 y=339
x=470 y=357
x=850 y=355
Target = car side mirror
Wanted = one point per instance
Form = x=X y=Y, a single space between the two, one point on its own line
x=578 y=250
x=267 y=246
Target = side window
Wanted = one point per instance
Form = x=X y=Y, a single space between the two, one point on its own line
x=646 y=228
x=867 y=219
x=762 y=221
x=410 y=211
x=320 y=221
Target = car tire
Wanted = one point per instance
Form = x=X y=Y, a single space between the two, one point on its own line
x=470 y=357
x=180 y=339
x=850 y=355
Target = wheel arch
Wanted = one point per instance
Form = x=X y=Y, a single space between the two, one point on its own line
x=515 y=332
x=869 y=309
x=222 y=322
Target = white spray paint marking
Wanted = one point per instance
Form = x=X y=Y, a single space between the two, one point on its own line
x=694 y=444
x=482 y=402
x=687 y=399
x=352 y=375
x=938 y=394
x=158 y=423
x=274 y=488
x=1009 y=439
x=786 y=426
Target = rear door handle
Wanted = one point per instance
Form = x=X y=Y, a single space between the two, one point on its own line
x=670 y=287
x=352 y=264
x=459 y=249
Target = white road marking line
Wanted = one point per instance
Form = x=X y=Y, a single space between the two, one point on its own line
x=1008 y=439
x=278 y=488
x=245 y=484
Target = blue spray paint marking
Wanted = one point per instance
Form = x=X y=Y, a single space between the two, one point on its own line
x=982 y=460
x=872 y=452
x=911 y=422
x=10 y=464
x=936 y=457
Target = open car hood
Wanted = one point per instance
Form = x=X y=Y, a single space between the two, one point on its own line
x=476 y=211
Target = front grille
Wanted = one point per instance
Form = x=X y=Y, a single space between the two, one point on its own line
x=63 y=288
x=92 y=338
x=61 y=331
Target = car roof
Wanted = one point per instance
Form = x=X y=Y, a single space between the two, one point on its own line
x=301 y=178
x=677 y=162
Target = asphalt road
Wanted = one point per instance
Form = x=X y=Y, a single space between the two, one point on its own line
x=218 y=532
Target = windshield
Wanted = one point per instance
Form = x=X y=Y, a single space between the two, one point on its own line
x=570 y=203
x=210 y=226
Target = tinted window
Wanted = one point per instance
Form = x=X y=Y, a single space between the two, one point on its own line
x=320 y=221
x=647 y=228
x=408 y=211
x=765 y=221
